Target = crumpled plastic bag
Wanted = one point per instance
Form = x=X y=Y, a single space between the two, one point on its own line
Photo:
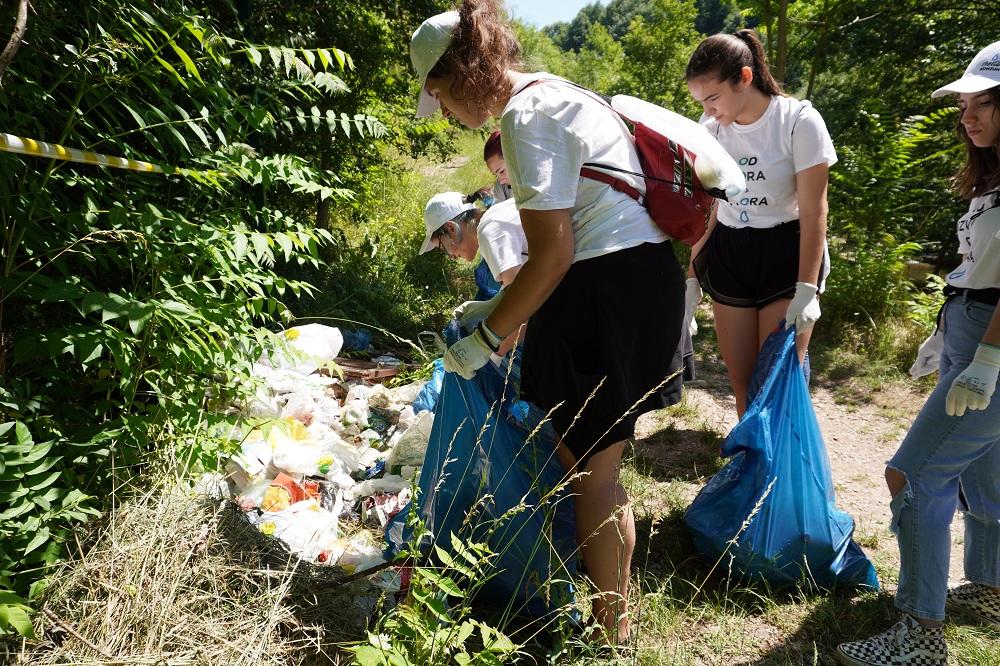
x=305 y=528
x=306 y=348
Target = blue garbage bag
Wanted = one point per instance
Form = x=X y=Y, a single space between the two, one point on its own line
x=428 y=397
x=482 y=460
x=357 y=339
x=769 y=514
x=486 y=286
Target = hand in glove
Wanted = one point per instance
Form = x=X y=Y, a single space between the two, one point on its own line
x=472 y=312
x=929 y=355
x=692 y=297
x=974 y=387
x=472 y=352
x=803 y=311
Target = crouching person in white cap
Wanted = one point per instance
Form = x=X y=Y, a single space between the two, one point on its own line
x=950 y=458
x=461 y=230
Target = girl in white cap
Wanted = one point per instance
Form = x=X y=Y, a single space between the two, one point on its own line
x=601 y=289
x=462 y=230
x=951 y=455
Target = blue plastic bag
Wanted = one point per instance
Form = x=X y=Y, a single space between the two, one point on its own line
x=771 y=508
x=428 y=397
x=480 y=464
x=486 y=286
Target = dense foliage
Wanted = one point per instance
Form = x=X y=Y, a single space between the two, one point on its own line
x=129 y=302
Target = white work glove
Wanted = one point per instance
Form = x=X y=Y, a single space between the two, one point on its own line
x=974 y=387
x=929 y=355
x=472 y=312
x=803 y=311
x=692 y=297
x=471 y=352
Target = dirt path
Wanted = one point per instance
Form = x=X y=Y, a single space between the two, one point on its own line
x=862 y=429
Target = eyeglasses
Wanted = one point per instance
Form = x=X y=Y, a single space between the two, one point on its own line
x=438 y=236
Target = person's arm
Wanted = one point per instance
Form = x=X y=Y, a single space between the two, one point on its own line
x=550 y=254
x=506 y=278
x=992 y=335
x=810 y=188
x=696 y=248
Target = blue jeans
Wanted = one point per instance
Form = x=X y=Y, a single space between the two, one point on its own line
x=948 y=459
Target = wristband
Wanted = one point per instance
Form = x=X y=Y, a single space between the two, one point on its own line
x=491 y=339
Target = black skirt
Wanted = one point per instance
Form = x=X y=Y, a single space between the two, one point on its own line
x=605 y=338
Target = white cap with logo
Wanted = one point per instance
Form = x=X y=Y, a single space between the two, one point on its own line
x=427 y=45
x=982 y=74
x=442 y=208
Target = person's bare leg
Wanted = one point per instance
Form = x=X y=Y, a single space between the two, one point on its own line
x=737 y=333
x=771 y=316
x=605 y=530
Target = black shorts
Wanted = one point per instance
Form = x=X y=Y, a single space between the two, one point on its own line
x=616 y=318
x=750 y=268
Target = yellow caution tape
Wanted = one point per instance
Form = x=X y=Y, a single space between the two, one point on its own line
x=16 y=144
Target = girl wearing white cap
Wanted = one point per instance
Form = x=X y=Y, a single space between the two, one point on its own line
x=951 y=455
x=601 y=290
x=461 y=230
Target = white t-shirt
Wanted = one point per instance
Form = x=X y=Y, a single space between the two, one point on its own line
x=790 y=137
x=547 y=133
x=979 y=243
x=501 y=239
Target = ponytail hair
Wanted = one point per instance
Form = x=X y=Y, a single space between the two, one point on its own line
x=483 y=48
x=725 y=56
x=493 y=147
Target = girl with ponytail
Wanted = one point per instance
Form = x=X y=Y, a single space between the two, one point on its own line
x=601 y=289
x=763 y=259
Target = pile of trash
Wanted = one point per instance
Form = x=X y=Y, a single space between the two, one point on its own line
x=327 y=461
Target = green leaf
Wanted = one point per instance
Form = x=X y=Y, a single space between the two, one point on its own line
x=16 y=617
x=255 y=55
x=138 y=315
x=40 y=538
x=186 y=59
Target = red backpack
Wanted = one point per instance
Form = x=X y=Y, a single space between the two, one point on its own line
x=674 y=197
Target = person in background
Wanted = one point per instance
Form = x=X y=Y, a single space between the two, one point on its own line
x=462 y=230
x=601 y=289
x=763 y=258
x=493 y=156
x=950 y=457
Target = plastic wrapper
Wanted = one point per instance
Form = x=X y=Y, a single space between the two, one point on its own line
x=412 y=445
x=305 y=528
x=360 y=555
x=306 y=348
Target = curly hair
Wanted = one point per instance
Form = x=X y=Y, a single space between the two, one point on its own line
x=727 y=55
x=981 y=171
x=482 y=49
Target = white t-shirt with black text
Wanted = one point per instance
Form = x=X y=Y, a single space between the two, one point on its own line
x=548 y=131
x=501 y=239
x=979 y=243
x=788 y=138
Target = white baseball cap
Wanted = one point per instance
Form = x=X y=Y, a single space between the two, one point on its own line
x=982 y=73
x=442 y=208
x=427 y=45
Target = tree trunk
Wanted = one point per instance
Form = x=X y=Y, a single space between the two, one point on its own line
x=20 y=28
x=768 y=17
x=781 y=60
x=819 y=53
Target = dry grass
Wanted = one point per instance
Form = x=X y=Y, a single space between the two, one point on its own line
x=175 y=579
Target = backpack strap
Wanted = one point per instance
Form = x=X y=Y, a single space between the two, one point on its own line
x=616 y=183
